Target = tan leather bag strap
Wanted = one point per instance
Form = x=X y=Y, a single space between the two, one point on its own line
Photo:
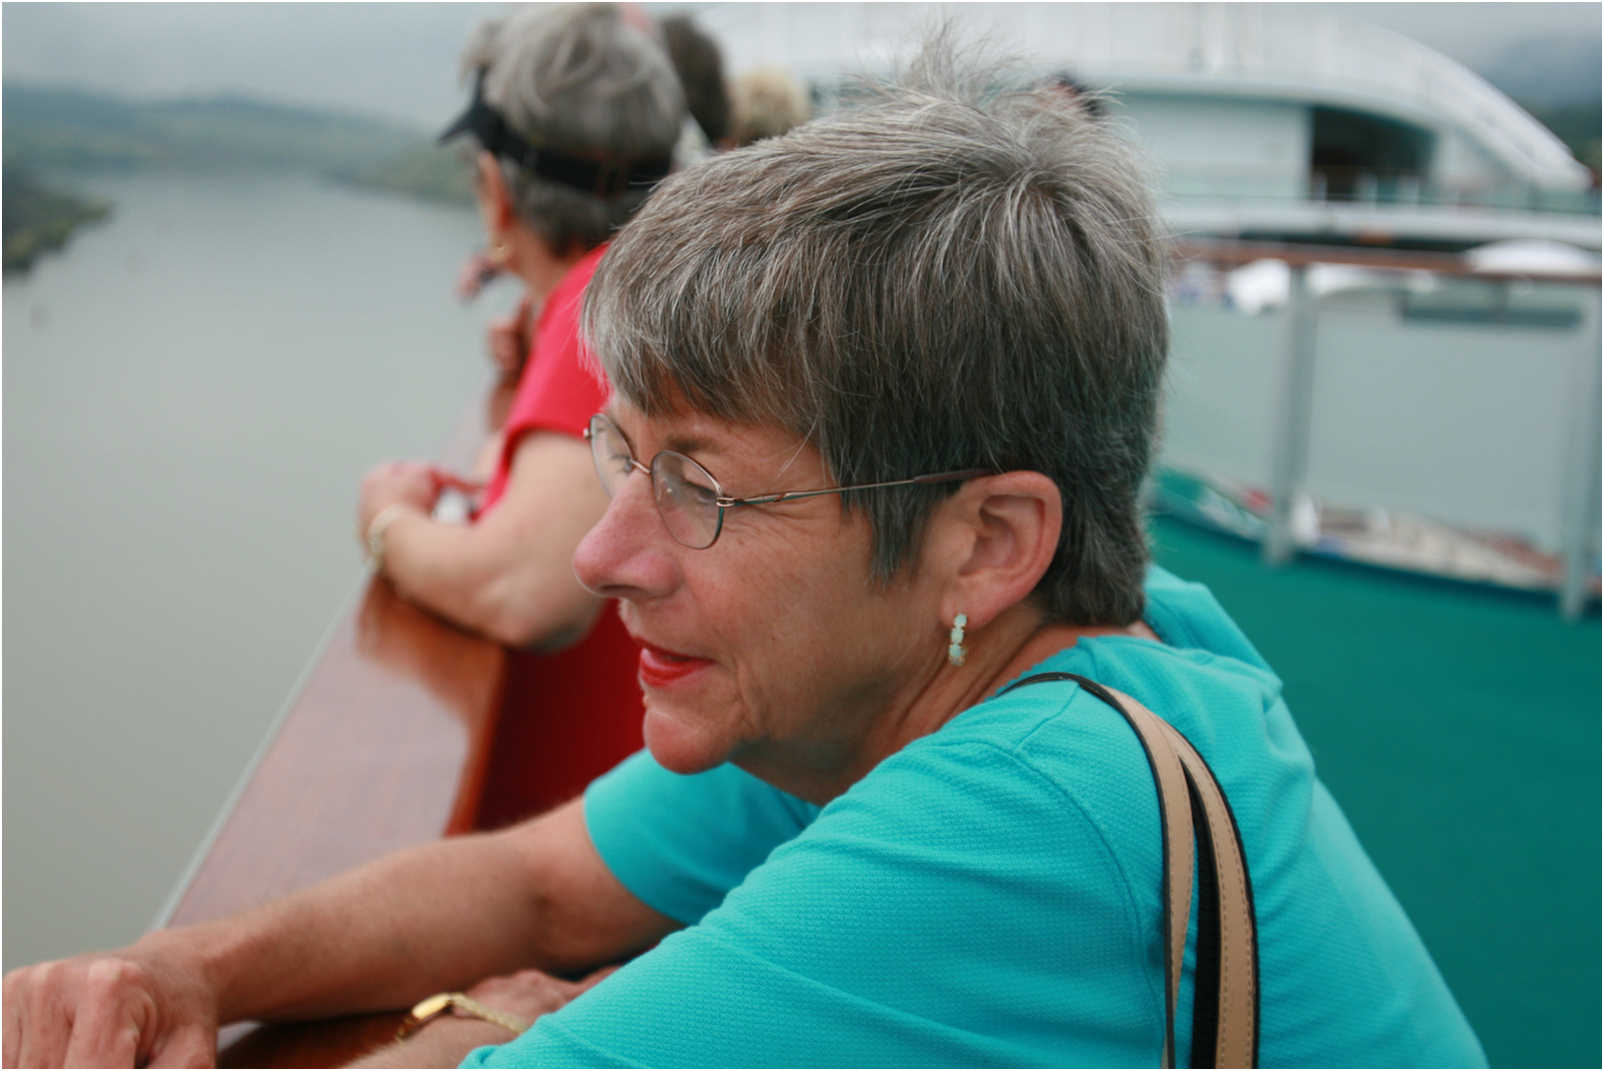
x=1225 y=1003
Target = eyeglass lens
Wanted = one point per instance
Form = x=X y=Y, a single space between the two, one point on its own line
x=686 y=494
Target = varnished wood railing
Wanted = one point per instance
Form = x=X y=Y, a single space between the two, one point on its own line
x=386 y=745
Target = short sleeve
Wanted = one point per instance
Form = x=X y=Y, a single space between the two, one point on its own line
x=957 y=911
x=680 y=843
x=561 y=390
x=561 y=387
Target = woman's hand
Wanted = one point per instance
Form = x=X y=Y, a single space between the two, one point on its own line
x=408 y=483
x=528 y=995
x=509 y=337
x=476 y=273
x=411 y=484
x=445 y=1041
x=132 y=1008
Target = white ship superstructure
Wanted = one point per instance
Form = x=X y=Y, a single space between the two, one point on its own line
x=1261 y=120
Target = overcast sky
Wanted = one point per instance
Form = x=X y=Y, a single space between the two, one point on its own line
x=399 y=60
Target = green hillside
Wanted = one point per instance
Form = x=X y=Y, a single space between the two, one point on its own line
x=52 y=129
x=433 y=172
x=38 y=219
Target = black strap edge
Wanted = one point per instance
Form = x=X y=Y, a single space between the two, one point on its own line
x=1205 y=997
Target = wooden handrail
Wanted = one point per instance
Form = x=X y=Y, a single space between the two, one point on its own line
x=323 y=799
x=386 y=745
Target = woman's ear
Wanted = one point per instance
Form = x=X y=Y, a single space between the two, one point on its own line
x=1001 y=534
x=495 y=200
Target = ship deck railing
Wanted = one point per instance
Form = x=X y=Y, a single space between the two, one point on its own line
x=1293 y=395
x=1324 y=184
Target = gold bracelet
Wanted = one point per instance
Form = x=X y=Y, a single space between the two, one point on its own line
x=377 y=527
x=433 y=1007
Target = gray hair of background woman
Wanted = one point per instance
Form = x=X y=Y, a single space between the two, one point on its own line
x=941 y=279
x=580 y=80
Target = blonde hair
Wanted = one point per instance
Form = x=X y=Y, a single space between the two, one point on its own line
x=768 y=101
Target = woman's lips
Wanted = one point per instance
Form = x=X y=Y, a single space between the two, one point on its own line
x=660 y=668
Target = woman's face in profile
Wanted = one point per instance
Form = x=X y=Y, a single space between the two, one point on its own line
x=772 y=647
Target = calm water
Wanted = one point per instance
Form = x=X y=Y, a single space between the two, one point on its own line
x=193 y=390
x=191 y=395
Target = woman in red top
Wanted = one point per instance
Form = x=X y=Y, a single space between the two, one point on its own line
x=575 y=113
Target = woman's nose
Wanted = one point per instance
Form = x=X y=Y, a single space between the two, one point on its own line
x=628 y=554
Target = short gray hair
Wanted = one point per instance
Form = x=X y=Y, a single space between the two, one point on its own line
x=578 y=79
x=945 y=278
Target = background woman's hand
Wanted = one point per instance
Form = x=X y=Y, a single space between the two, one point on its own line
x=477 y=272
x=131 y=1008
x=410 y=483
x=509 y=337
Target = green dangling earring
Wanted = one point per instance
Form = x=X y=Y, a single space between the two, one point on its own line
x=955 y=640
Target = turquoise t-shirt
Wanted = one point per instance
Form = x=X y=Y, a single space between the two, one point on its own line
x=989 y=895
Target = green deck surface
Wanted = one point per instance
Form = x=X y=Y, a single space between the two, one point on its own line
x=1459 y=729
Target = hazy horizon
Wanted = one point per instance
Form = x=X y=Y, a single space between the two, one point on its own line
x=399 y=61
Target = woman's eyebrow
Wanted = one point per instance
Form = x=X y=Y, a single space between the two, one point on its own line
x=689 y=443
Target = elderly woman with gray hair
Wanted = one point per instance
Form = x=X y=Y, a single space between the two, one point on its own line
x=884 y=394
x=574 y=114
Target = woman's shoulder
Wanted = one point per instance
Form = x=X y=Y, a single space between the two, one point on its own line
x=1036 y=761
x=1216 y=699
x=1055 y=749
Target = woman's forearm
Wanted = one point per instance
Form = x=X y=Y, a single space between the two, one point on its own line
x=431 y=918
x=436 y=917
x=509 y=576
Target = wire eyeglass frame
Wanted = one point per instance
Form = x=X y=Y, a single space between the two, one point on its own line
x=675 y=496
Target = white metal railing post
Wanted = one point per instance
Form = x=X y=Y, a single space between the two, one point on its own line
x=1579 y=489
x=1294 y=400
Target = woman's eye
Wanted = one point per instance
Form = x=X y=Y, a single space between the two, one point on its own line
x=700 y=494
x=688 y=493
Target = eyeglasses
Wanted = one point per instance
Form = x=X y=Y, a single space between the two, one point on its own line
x=688 y=498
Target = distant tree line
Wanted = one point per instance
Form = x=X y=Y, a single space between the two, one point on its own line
x=51 y=130
x=38 y=219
